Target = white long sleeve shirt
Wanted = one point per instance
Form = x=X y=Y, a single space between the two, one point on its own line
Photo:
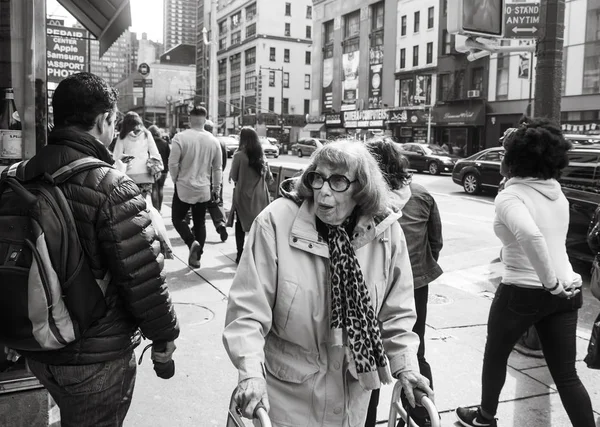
x=532 y=220
x=195 y=158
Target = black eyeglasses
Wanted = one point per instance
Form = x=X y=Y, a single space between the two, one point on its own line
x=338 y=183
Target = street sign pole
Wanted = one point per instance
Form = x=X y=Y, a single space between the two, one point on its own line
x=144 y=100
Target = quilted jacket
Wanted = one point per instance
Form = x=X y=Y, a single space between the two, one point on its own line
x=116 y=234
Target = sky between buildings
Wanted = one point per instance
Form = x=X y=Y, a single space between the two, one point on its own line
x=146 y=17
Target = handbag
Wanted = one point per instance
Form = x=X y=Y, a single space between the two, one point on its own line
x=593 y=353
x=595 y=277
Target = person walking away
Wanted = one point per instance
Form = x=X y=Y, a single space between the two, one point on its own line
x=195 y=159
x=215 y=207
x=92 y=379
x=136 y=153
x=539 y=286
x=164 y=149
x=422 y=227
x=250 y=173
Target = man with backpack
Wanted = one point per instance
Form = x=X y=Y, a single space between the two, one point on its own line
x=84 y=358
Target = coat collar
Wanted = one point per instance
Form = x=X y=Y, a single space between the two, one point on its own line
x=304 y=233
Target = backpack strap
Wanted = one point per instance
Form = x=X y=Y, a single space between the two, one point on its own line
x=85 y=163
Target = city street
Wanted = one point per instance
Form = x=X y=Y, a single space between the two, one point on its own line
x=199 y=393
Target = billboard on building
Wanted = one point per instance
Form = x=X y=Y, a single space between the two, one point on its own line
x=66 y=52
x=350 y=63
x=375 y=76
x=327 y=84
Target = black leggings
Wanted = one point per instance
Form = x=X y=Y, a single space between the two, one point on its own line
x=240 y=236
x=513 y=311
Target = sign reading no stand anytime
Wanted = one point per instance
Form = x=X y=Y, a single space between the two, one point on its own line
x=522 y=20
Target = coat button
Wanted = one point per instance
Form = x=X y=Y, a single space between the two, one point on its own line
x=368 y=227
x=295 y=240
x=310 y=245
x=337 y=411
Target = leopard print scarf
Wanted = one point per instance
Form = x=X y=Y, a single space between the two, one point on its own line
x=352 y=313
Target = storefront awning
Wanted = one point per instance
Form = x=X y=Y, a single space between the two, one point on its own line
x=459 y=115
x=313 y=127
x=105 y=19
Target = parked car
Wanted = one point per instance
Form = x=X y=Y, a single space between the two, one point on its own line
x=307 y=146
x=275 y=142
x=428 y=157
x=231 y=143
x=580 y=182
x=480 y=171
x=269 y=148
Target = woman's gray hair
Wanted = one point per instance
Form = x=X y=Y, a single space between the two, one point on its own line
x=372 y=195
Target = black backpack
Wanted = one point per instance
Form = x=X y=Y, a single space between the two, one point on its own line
x=49 y=295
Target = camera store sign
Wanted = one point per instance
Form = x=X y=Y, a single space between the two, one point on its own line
x=365 y=119
x=66 y=51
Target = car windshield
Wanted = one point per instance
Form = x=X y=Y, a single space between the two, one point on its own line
x=434 y=149
x=228 y=140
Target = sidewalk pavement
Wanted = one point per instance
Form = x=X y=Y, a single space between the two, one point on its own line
x=459 y=302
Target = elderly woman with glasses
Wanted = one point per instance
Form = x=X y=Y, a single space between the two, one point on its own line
x=321 y=309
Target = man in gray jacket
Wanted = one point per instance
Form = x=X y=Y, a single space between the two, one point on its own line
x=195 y=159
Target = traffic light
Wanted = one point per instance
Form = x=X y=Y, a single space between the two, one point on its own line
x=483 y=18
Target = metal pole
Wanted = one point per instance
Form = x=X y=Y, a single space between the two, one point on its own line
x=530 y=109
x=214 y=86
x=429 y=125
x=282 y=122
x=143 y=100
x=548 y=82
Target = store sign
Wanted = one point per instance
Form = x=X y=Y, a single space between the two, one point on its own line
x=365 y=118
x=327 y=93
x=375 y=76
x=333 y=119
x=66 y=52
x=409 y=117
x=350 y=63
x=315 y=119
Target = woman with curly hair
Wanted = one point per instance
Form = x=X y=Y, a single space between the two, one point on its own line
x=251 y=173
x=539 y=287
x=422 y=226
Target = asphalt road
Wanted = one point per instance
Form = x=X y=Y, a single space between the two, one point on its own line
x=469 y=240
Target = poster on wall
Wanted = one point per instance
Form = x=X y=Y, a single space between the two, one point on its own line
x=422 y=95
x=350 y=84
x=327 y=84
x=375 y=76
x=66 y=52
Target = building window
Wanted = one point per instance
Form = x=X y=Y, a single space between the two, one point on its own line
x=307 y=58
x=288 y=30
x=406 y=92
x=286 y=106
x=444 y=83
x=250 y=83
x=271 y=78
x=222 y=27
x=377 y=16
x=251 y=30
x=430 y=17
x=429 y=53
x=502 y=77
x=352 y=24
x=288 y=9
x=417 y=21
x=307 y=81
x=286 y=55
x=236 y=20
x=272 y=54
x=271 y=104
x=402 y=58
x=422 y=90
x=222 y=86
x=251 y=12
x=445 y=7
x=308 y=32
x=477 y=79
x=222 y=43
x=415 y=56
x=236 y=62
x=251 y=56
x=234 y=83
x=591 y=63
x=236 y=38
x=459 y=84
x=446 y=43
x=308 y=12
x=306 y=106
x=403 y=26
x=222 y=68
x=286 y=80
x=328 y=33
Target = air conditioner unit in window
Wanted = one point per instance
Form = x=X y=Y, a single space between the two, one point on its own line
x=473 y=93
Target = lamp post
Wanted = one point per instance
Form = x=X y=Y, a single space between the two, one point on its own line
x=212 y=46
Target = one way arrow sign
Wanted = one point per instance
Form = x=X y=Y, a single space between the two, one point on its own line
x=522 y=20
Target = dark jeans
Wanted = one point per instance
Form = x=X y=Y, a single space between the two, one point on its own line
x=421 y=297
x=179 y=211
x=157 y=191
x=217 y=213
x=512 y=312
x=96 y=395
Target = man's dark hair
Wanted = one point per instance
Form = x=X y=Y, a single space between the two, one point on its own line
x=79 y=99
x=199 y=111
x=537 y=149
x=392 y=163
